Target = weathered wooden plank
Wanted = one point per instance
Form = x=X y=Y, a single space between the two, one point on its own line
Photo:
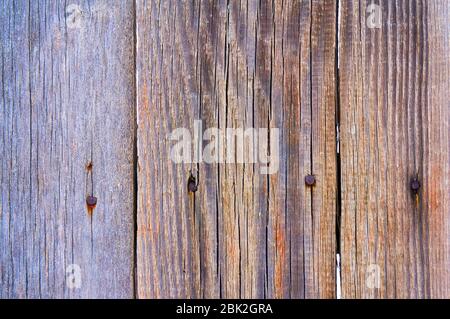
x=394 y=111
x=323 y=144
x=67 y=83
x=247 y=64
x=167 y=237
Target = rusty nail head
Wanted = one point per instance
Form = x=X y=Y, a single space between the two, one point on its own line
x=310 y=180
x=91 y=201
x=415 y=185
x=192 y=185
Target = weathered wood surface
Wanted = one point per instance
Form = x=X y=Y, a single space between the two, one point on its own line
x=236 y=65
x=67 y=83
x=395 y=113
x=91 y=90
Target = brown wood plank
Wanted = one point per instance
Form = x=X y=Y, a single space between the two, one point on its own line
x=247 y=64
x=168 y=256
x=394 y=112
x=323 y=159
x=67 y=100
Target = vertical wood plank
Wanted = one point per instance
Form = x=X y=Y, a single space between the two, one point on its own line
x=323 y=144
x=230 y=64
x=168 y=97
x=67 y=123
x=394 y=111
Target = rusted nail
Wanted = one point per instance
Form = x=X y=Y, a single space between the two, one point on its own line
x=310 y=180
x=192 y=185
x=415 y=185
x=91 y=201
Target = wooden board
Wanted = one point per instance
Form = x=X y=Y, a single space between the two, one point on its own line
x=230 y=64
x=395 y=113
x=67 y=83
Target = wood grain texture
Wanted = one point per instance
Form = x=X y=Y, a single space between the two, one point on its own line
x=246 y=64
x=92 y=90
x=395 y=113
x=67 y=83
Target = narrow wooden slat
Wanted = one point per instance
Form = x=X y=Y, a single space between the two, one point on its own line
x=168 y=243
x=394 y=111
x=67 y=100
x=323 y=143
x=247 y=64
